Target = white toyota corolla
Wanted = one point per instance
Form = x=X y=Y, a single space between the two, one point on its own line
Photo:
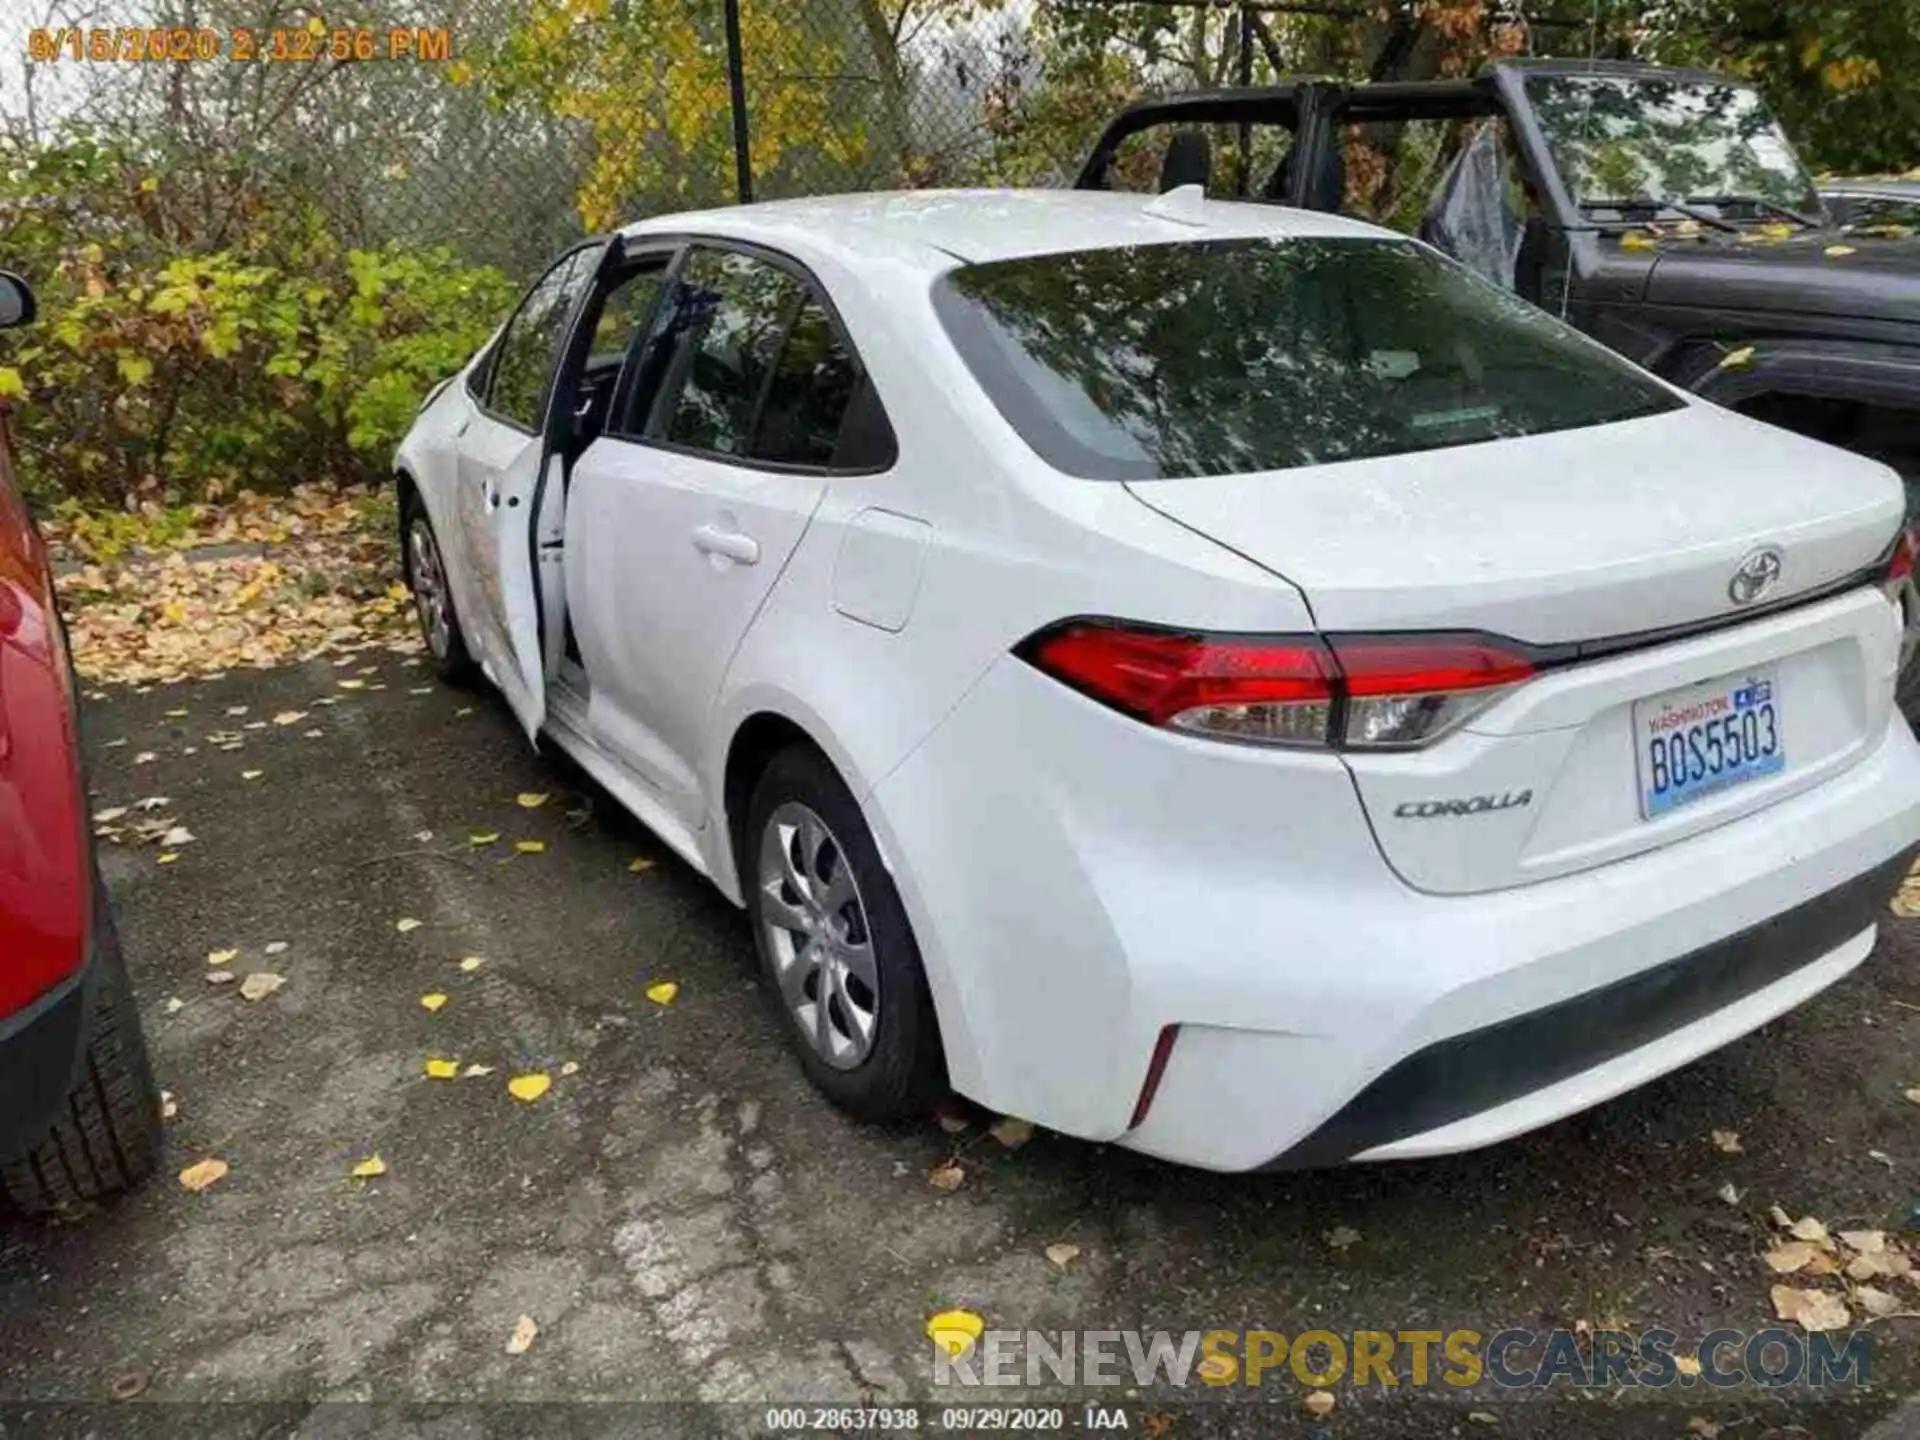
x=1209 y=677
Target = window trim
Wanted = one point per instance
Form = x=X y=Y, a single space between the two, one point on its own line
x=812 y=289
x=483 y=402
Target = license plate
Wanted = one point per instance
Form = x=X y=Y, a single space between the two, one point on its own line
x=1706 y=738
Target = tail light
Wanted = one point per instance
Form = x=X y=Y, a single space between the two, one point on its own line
x=1899 y=565
x=1335 y=692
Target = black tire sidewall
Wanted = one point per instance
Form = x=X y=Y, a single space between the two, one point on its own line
x=905 y=1072
x=456 y=666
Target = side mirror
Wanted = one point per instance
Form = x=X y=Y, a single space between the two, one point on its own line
x=16 y=301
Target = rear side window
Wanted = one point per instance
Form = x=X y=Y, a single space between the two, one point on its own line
x=751 y=366
x=1229 y=357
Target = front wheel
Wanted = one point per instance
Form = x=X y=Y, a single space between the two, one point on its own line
x=835 y=946
x=433 y=597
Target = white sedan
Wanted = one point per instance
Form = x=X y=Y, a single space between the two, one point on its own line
x=1203 y=676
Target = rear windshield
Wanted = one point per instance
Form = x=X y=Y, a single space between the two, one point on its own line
x=1231 y=356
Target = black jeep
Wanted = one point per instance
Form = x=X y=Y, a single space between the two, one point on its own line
x=1661 y=210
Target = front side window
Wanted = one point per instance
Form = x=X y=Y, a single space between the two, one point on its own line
x=524 y=360
x=1235 y=356
x=1621 y=141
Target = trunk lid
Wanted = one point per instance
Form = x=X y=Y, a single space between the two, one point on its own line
x=1584 y=536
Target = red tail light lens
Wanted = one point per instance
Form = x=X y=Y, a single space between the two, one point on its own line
x=1375 y=692
x=1900 y=563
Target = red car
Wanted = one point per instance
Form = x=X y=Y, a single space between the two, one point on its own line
x=79 y=1112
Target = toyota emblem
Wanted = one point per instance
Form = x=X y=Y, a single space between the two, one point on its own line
x=1756 y=575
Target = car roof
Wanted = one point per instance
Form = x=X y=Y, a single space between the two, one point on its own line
x=935 y=229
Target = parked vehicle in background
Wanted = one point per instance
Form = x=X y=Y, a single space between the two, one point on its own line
x=1208 y=677
x=1663 y=211
x=1888 y=203
x=79 y=1111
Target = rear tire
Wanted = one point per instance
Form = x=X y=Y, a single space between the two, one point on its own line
x=828 y=922
x=106 y=1137
x=426 y=571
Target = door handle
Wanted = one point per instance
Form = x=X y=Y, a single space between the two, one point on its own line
x=730 y=543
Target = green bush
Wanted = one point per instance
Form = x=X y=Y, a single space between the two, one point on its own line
x=206 y=329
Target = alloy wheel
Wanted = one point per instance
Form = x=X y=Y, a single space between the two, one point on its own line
x=815 y=925
x=430 y=588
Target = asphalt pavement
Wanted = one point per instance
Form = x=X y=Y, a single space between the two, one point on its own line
x=683 y=1220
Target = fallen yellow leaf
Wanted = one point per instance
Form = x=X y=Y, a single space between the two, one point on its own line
x=529 y=1087
x=530 y=799
x=433 y=1000
x=948 y=1175
x=483 y=837
x=406 y=924
x=1811 y=1310
x=663 y=992
x=524 y=1329
x=955 y=1331
x=530 y=847
x=473 y=1072
x=251 y=774
x=1319 y=1403
x=443 y=1069
x=368 y=1168
x=168 y=858
x=221 y=957
x=1734 y=359
x=260 y=984
x=471 y=963
x=1011 y=1132
x=1633 y=240
x=1838 y=250
x=572 y=1067
x=639 y=865
x=1062 y=1255
x=351 y=684
x=202 y=1173
x=1727 y=1142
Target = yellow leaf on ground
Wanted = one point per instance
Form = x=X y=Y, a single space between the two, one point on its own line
x=1062 y=1255
x=1789 y=1256
x=1913 y=1095
x=443 y=1069
x=1343 y=1237
x=289 y=717
x=1687 y=1364
x=663 y=992
x=1875 y=1301
x=529 y=1087
x=1811 y=1310
x=168 y=858
x=221 y=957
x=1838 y=250
x=1734 y=359
x=251 y=774
x=572 y=1067
x=433 y=1000
x=1727 y=1142
x=471 y=963
x=948 y=1175
x=368 y=1168
x=260 y=984
x=1319 y=1403
x=1810 y=1229
x=955 y=1331
x=169 y=1107
x=474 y=1072
x=530 y=847
x=1011 y=1132
x=530 y=799
x=639 y=865
x=1636 y=241
x=351 y=684
x=483 y=837
x=406 y=924
x=524 y=1329
x=202 y=1173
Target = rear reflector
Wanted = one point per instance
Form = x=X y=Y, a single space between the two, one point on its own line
x=1372 y=691
x=1900 y=564
x=1156 y=1068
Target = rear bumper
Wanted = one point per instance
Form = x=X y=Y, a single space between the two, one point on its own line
x=1473 y=1088
x=42 y=1046
x=1115 y=880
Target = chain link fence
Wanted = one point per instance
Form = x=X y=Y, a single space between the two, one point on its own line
x=262 y=229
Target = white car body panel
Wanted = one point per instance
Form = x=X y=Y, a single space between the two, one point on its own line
x=1078 y=881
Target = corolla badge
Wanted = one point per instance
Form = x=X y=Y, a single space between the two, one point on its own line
x=1757 y=574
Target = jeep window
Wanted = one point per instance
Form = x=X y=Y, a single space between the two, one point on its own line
x=1624 y=142
x=1227 y=357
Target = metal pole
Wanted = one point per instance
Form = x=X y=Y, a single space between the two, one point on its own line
x=1245 y=165
x=737 y=93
